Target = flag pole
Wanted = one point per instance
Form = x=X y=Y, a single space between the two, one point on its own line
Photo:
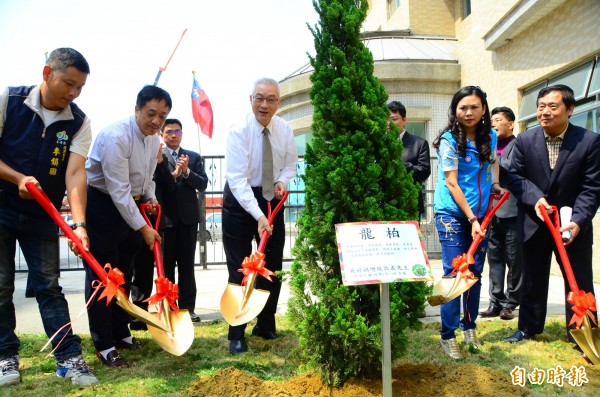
x=162 y=69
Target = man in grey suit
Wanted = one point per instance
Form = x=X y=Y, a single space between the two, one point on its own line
x=182 y=210
x=557 y=164
x=504 y=247
x=416 y=150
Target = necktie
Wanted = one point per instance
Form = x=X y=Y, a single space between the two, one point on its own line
x=553 y=149
x=267 y=167
x=174 y=156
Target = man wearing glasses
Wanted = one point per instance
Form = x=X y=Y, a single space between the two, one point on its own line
x=182 y=214
x=260 y=160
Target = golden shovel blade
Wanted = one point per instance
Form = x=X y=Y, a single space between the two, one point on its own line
x=450 y=287
x=240 y=306
x=181 y=335
x=588 y=339
x=138 y=312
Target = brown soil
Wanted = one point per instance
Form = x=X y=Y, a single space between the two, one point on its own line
x=407 y=380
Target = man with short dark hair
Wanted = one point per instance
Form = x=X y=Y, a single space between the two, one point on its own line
x=557 y=164
x=44 y=139
x=504 y=247
x=120 y=170
x=182 y=209
x=416 y=150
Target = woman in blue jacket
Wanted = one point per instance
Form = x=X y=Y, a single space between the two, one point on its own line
x=467 y=172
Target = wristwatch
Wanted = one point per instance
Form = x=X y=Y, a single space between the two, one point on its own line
x=78 y=224
x=472 y=220
x=186 y=173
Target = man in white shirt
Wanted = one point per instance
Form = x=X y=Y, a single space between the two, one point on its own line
x=244 y=204
x=120 y=169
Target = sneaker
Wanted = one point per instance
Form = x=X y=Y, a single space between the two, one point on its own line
x=450 y=347
x=9 y=371
x=76 y=369
x=470 y=337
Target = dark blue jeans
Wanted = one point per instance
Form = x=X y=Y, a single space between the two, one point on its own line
x=455 y=237
x=38 y=239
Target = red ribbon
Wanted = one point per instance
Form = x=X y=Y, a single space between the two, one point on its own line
x=165 y=290
x=114 y=280
x=255 y=263
x=583 y=303
x=461 y=264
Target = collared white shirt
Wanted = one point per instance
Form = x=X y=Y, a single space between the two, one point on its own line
x=243 y=158
x=81 y=140
x=121 y=163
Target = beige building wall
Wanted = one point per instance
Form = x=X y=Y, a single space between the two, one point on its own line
x=432 y=17
x=566 y=36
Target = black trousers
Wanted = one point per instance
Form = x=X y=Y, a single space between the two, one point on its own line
x=537 y=255
x=239 y=229
x=111 y=241
x=179 y=247
x=504 y=253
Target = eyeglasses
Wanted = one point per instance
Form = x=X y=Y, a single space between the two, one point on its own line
x=259 y=100
x=172 y=132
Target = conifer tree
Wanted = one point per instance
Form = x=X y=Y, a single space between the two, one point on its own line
x=354 y=173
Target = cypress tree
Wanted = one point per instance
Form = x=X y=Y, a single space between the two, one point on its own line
x=354 y=173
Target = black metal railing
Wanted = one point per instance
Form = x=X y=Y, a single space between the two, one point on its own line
x=210 y=243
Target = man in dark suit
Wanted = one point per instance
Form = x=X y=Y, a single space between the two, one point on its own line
x=504 y=246
x=555 y=163
x=182 y=210
x=416 y=150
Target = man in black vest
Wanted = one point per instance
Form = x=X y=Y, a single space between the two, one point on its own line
x=44 y=139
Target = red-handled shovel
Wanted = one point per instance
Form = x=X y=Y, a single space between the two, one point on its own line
x=449 y=287
x=180 y=335
x=112 y=280
x=584 y=304
x=242 y=303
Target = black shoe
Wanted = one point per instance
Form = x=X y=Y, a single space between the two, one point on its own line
x=113 y=359
x=137 y=325
x=490 y=312
x=518 y=336
x=268 y=335
x=134 y=345
x=506 y=314
x=238 y=346
x=195 y=318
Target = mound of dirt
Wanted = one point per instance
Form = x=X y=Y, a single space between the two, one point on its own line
x=407 y=380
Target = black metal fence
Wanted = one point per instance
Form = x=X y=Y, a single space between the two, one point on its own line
x=210 y=243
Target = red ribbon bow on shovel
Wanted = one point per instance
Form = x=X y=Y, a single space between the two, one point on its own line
x=114 y=279
x=165 y=289
x=255 y=263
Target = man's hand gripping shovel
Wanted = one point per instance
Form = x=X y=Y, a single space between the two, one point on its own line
x=112 y=280
x=242 y=303
x=584 y=304
x=179 y=336
x=450 y=287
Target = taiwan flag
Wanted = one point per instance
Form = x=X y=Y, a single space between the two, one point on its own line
x=201 y=109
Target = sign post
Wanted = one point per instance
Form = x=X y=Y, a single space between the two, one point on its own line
x=382 y=253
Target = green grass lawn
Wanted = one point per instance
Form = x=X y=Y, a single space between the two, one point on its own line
x=154 y=372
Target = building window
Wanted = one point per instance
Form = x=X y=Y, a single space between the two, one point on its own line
x=392 y=6
x=584 y=80
x=418 y=128
x=466 y=8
